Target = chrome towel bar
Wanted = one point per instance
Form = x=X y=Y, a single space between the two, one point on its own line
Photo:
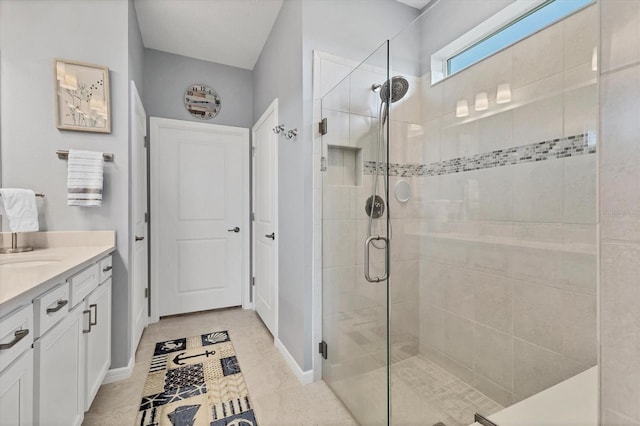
x=63 y=155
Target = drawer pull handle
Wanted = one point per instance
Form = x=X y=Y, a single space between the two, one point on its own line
x=19 y=335
x=107 y=268
x=87 y=311
x=95 y=317
x=60 y=305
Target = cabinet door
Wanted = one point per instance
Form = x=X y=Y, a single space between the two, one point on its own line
x=16 y=392
x=98 y=340
x=59 y=372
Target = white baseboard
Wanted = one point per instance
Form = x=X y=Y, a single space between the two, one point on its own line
x=305 y=377
x=122 y=373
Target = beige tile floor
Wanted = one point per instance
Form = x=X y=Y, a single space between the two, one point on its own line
x=278 y=397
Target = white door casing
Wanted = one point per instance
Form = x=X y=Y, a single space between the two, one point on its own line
x=265 y=204
x=199 y=194
x=139 y=247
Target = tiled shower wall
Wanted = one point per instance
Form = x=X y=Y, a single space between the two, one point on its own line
x=493 y=269
x=351 y=109
x=620 y=213
x=508 y=252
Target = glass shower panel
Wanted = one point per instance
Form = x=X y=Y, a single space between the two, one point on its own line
x=492 y=291
x=355 y=309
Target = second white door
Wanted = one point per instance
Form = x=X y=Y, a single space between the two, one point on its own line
x=139 y=248
x=199 y=187
x=265 y=198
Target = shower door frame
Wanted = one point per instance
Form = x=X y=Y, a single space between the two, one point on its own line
x=319 y=278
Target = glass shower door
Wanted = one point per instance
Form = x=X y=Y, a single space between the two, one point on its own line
x=355 y=296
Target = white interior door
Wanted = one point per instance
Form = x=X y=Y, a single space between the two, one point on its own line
x=265 y=240
x=200 y=218
x=138 y=239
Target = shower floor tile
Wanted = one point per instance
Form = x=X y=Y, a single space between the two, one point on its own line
x=420 y=389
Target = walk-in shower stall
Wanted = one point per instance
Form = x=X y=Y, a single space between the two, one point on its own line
x=459 y=224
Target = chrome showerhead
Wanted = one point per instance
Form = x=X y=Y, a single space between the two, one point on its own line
x=399 y=88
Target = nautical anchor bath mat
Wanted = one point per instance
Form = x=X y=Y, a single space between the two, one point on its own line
x=196 y=381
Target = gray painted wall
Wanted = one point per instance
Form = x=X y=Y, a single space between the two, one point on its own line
x=284 y=70
x=32 y=33
x=167 y=76
x=278 y=73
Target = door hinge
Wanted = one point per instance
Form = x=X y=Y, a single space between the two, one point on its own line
x=253 y=151
x=146 y=293
x=253 y=216
x=253 y=281
x=146 y=141
x=322 y=349
x=146 y=217
x=322 y=126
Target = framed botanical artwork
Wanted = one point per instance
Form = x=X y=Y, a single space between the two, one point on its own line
x=82 y=96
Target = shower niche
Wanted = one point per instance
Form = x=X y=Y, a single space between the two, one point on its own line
x=344 y=165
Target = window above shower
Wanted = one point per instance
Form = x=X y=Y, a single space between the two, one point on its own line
x=514 y=23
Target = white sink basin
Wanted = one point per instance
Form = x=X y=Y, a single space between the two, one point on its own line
x=28 y=261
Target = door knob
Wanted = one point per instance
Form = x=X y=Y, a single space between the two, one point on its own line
x=139 y=238
x=271 y=235
x=236 y=230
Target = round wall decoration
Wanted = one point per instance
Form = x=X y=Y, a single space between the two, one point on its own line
x=202 y=101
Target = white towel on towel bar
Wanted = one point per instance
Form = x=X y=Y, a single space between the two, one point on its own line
x=19 y=207
x=84 y=178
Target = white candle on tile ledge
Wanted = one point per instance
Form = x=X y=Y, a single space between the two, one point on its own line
x=503 y=95
x=482 y=101
x=462 y=108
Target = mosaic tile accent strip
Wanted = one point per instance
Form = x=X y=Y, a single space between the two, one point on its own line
x=571 y=146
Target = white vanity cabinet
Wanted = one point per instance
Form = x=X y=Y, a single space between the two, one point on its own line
x=16 y=368
x=72 y=352
x=59 y=372
x=16 y=392
x=97 y=340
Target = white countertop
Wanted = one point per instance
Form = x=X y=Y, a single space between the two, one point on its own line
x=68 y=253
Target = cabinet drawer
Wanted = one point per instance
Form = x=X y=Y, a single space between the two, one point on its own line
x=16 y=334
x=50 y=308
x=106 y=266
x=83 y=283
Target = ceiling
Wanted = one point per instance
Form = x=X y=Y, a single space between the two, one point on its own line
x=230 y=32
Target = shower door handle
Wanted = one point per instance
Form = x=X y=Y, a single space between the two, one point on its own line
x=367 y=244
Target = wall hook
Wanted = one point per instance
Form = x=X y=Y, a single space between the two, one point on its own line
x=291 y=134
